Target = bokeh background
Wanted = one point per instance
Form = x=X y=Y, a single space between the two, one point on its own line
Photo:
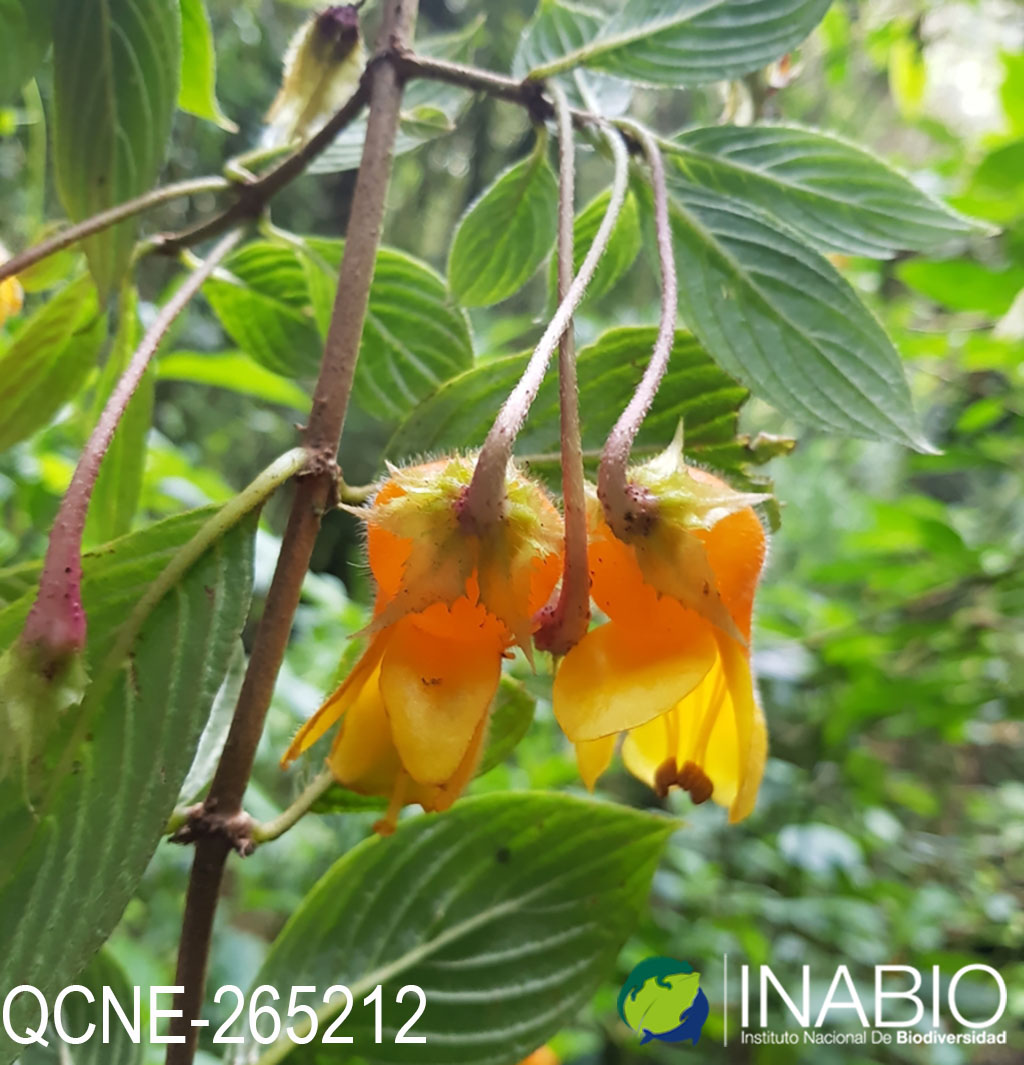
x=890 y=624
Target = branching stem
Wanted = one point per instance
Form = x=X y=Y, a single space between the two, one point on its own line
x=287 y=819
x=70 y=235
x=626 y=508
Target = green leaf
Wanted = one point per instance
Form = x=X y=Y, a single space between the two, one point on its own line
x=837 y=196
x=215 y=732
x=506 y=233
x=776 y=315
x=115 y=497
x=23 y=43
x=197 y=93
x=694 y=390
x=688 y=42
x=414 y=339
x=83 y=859
x=995 y=191
x=964 y=285
x=233 y=370
x=558 y=29
x=46 y=363
x=508 y=911
x=424 y=104
x=77 y=1014
x=623 y=246
x=116 y=65
x=262 y=300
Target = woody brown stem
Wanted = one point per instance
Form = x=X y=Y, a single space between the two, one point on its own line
x=313 y=492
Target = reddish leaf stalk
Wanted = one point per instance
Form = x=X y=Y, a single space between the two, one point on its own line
x=56 y=624
x=627 y=509
x=564 y=625
x=484 y=502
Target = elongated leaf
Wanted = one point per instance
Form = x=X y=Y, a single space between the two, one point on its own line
x=23 y=42
x=694 y=390
x=232 y=370
x=116 y=495
x=197 y=93
x=82 y=861
x=690 y=42
x=116 y=65
x=837 y=196
x=507 y=911
x=430 y=109
x=558 y=29
x=622 y=250
x=776 y=314
x=102 y=972
x=506 y=234
x=48 y=360
x=414 y=339
x=262 y=300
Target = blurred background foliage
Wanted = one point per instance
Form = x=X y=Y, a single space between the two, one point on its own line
x=889 y=635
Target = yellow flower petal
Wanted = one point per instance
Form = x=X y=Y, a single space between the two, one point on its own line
x=436 y=692
x=441 y=797
x=616 y=678
x=339 y=702
x=719 y=727
x=593 y=757
x=751 y=731
x=11 y=296
x=363 y=757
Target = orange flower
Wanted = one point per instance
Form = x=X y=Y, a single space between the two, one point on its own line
x=671 y=667
x=413 y=711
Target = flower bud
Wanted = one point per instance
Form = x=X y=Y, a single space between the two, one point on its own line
x=322 y=67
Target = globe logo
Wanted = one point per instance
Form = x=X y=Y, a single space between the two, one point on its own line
x=662 y=999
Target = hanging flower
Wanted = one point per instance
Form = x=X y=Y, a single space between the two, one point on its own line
x=413 y=711
x=671 y=667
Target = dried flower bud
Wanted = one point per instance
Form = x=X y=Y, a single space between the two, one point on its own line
x=322 y=67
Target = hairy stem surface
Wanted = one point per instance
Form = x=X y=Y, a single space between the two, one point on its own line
x=626 y=511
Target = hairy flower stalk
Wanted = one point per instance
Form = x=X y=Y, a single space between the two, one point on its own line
x=56 y=625
x=484 y=501
x=563 y=625
x=628 y=509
